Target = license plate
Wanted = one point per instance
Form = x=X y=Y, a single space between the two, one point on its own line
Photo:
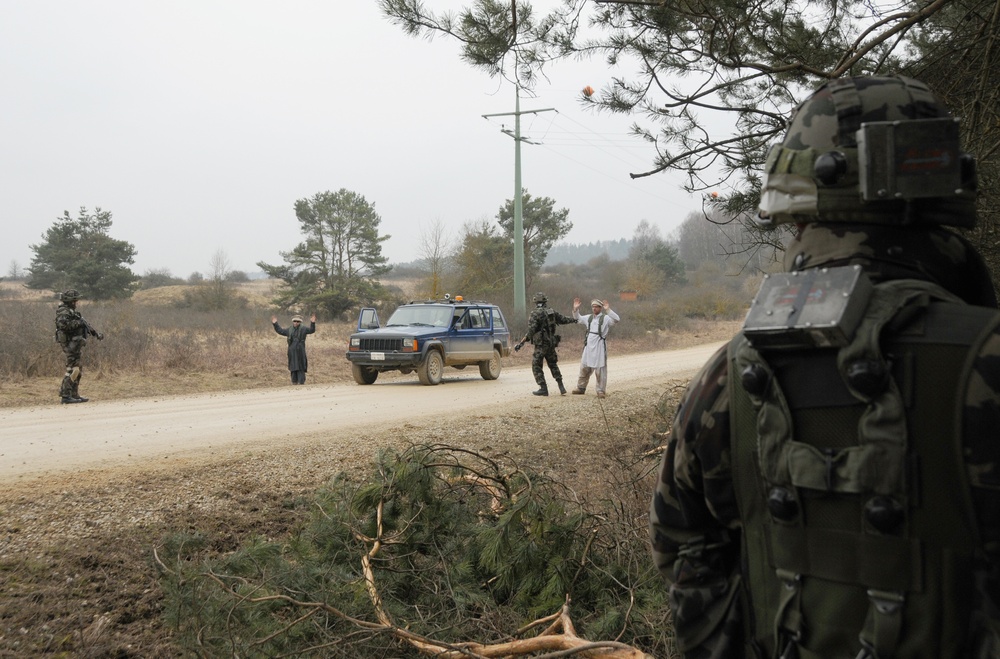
x=378 y=356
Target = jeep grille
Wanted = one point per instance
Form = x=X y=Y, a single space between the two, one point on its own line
x=382 y=345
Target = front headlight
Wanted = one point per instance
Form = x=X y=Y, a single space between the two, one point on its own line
x=410 y=345
x=355 y=342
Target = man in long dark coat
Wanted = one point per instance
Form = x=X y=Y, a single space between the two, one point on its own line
x=297 y=362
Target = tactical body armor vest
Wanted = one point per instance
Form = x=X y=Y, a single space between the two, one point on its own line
x=859 y=535
x=63 y=337
x=548 y=327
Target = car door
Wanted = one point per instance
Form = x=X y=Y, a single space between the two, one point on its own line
x=465 y=345
x=368 y=319
x=459 y=348
x=482 y=328
x=500 y=331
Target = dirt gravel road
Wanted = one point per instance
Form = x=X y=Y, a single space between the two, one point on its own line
x=110 y=434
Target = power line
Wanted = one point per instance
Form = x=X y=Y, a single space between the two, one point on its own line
x=571 y=138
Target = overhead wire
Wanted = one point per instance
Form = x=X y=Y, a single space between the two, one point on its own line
x=586 y=137
x=562 y=135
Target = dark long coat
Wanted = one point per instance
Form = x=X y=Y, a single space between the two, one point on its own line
x=296 y=345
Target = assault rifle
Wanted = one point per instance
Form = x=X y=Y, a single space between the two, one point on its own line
x=90 y=330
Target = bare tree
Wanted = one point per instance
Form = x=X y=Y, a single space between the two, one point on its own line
x=435 y=246
x=711 y=235
x=15 y=271
x=218 y=291
x=218 y=283
x=219 y=266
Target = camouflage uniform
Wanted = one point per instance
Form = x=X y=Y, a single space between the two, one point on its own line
x=542 y=334
x=697 y=519
x=71 y=334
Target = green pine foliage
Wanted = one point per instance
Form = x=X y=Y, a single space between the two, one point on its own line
x=339 y=261
x=80 y=254
x=468 y=549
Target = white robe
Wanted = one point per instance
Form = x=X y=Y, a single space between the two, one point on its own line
x=595 y=353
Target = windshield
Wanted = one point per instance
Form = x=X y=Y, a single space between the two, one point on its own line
x=420 y=315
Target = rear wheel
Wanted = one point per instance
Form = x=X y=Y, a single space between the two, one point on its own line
x=431 y=368
x=490 y=370
x=364 y=374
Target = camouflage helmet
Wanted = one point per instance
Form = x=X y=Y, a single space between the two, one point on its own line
x=69 y=296
x=870 y=150
x=539 y=298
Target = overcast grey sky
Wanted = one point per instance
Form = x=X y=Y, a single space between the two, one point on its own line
x=198 y=124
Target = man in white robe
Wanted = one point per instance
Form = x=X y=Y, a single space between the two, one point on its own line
x=595 y=350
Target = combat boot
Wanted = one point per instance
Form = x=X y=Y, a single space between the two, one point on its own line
x=562 y=389
x=542 y=391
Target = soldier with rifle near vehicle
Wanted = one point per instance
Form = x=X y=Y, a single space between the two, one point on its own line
x=71 y=334
x=542 y=334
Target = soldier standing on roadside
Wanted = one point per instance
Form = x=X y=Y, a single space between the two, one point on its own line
x=542 y=333
x=297 y=362
x=71 y=334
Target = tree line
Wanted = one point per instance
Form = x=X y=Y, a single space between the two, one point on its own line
x=338 y=265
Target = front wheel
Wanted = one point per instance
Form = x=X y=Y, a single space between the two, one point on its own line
x=490 y=370
x=431 y=369
x=364 y=374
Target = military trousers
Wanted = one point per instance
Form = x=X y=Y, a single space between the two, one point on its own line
x=546 y=354
x=70 y=387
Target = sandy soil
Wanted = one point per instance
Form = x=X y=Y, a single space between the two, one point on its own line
x=48 y=442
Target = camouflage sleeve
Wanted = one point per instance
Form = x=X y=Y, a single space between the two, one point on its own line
x=530 y=331
x=981 y=444
x=694 y=523
x=564 y=320
x=69 y=321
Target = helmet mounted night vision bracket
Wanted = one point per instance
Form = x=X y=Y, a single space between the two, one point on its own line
x=912 y=160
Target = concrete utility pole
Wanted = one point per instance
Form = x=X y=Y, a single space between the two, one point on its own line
x=520 y=309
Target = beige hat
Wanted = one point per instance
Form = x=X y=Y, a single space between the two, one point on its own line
x=296 y=317
x=597 y=303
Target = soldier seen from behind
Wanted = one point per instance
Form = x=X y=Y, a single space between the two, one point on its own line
x=71 y=334
x=542 y=333
x=832 y=483
x=296 y=335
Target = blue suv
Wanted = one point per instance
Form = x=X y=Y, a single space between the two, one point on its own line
x=427 y=336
